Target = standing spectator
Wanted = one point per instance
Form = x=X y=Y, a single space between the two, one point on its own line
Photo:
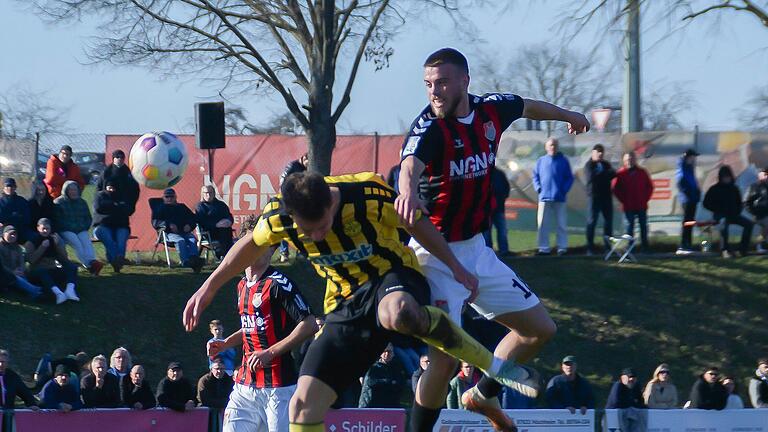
x=570 y=390
x=14 y=210
x=59 y=393
x=734 y=400
x=294 y=166
x=120 y=363
x=175 y=391
x=598 y=174
x=688 y=195
x=213 y=388
x=73 y=220
x=552 y=179
x=758 y=385
x=111 y=220
x=59 y=169
x=383 y=383
x=463 y=381
x=633 y=188
x=708 y=392
x=756 y=202
x=227 y=356
x=625 y=393
x=135 y=391
x=120 y=175
x=723 y=199
x=12 y=260
x=500 y=189
x=100 y=389
x=660 y=393
x=423 y=365
x=214 y=217
x=40 y=206
x=179 y=222
x=12 y=386
x=48 y=263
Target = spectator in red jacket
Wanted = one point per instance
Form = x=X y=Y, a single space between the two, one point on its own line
x=59 y=169
x=633 y=188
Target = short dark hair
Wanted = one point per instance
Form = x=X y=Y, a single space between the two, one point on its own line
x=599 y=147
x=447 y=56
x=306 y=194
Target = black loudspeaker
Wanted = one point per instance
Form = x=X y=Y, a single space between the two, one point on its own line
x=209 y=125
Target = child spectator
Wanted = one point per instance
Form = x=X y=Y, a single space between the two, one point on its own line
x=228 y=355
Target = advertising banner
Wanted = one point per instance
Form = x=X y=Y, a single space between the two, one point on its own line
x=693 y=420
x=112 y=420
x=365 y=420
x=534 y=420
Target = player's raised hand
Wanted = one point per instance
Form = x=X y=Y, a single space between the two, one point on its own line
x=467 y=279
x=407 y=206
x=195 y=307
x=577 y=124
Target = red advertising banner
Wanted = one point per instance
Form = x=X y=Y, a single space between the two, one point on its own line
x=112 y=420
x=247 y=172
x=365 y=420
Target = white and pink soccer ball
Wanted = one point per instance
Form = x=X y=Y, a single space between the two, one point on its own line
x=158 y=160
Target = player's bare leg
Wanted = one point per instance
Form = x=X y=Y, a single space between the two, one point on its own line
x=309 y=404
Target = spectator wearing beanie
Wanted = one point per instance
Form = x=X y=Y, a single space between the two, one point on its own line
x=111 y=216
x=723 y=199
x=127 y=188
x=59 y=393
x=60 y=169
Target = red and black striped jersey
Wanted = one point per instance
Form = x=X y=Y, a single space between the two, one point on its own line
x=458 y=154
x=270 y=308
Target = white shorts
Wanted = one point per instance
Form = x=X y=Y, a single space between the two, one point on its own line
x=252 y=409
x=500 y=289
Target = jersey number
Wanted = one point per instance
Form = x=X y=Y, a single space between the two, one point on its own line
x=521 y=286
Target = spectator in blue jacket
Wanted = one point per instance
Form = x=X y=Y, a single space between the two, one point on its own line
x=14 y=210
x=214 y=217
x=689 y=195
x=552 y=179
x=59 y=394
x=569 y=389
x=179 y=222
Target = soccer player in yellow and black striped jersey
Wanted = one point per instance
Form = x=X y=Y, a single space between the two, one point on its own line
x=348 y=229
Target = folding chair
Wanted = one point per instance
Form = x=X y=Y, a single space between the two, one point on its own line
x=621 y=247
x=154 y=205
x=205 y=242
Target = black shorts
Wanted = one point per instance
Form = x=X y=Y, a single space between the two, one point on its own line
x=352 y=338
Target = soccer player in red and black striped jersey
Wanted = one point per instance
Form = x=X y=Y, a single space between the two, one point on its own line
x=274 y=319
x=446 y=162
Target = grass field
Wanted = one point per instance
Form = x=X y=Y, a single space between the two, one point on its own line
x=689 y=313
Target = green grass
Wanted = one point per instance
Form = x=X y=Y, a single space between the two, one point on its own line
x=687 y=312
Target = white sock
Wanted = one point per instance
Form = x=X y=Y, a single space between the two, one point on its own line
x=70 y=286
x=56 y=290
x=495 y=366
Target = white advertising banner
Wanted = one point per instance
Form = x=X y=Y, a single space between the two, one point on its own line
x=694 y=420
x=535 y=420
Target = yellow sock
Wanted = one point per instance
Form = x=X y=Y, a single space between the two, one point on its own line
x=449 y=338
x=296 y=427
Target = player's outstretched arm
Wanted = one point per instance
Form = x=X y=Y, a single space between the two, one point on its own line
x=540 y=110
x=408 y=203
x=240 y=256
x=429 y=237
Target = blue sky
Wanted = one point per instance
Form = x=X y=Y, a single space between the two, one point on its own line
x=723 y=64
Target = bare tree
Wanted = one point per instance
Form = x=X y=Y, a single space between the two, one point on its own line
x=756 y=112
x=25 y=112
x=236 y=123
x=663 y=105
x=577 y=81
x=294 y=48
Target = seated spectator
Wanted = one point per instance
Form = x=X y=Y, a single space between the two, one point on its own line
x=59 y=393
x=213 y=388
x=625 y=393
x=723 y=199
x=228 y=355
x=48 y=263
x=214 y=217
x=708 y=392
x=14 y=210
x=135 y=391
x=73 y=220
x=175 y=391
x=756 y=202
x=383 y=383
x=120 y=176
x=12 y=259
x=11 y=386
x=100 y=389
x=179 y=222
x=734 y=400
x=569 y=390
x=423 y=365
x=120 y=363
x=111 y=221
x=466 y=378
x=758 y=385
x=660 y=393
x=40 y=206
x=61 y=168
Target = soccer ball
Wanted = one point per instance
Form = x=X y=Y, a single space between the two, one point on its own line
x=158 y=160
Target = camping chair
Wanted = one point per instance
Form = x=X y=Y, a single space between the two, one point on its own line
x=204 y=241
x=621 y=247
x=154 y=205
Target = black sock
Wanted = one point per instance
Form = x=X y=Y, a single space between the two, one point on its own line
x=489 y=387
x=422 y=418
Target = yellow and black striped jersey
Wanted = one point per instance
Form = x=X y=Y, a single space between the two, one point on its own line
x=363 y=243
